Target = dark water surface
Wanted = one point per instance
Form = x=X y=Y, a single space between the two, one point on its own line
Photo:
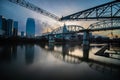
x=56 y=62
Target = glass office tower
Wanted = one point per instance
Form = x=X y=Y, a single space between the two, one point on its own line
x=30 y=28
x=10 y=27
x=15 y=31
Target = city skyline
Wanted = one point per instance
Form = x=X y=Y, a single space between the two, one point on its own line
x=8 y=27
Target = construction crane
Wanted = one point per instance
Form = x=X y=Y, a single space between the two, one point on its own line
x=35 y=8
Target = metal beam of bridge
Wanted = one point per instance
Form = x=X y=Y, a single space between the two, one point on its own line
x=110 y=10
x=105 y=25
x=35 y=8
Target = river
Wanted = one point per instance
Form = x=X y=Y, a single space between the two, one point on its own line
x=68 y=61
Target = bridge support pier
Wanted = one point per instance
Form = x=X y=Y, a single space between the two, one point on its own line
x=86 y=52
x=51 y=38
x=86 y=39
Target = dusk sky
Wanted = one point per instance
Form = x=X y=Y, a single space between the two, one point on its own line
x=57 y=7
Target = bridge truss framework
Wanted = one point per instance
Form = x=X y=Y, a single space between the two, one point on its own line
x=105 y=11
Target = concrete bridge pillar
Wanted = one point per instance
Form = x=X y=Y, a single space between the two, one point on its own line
x=86 y=52
x=51 y=38
x=86 y=38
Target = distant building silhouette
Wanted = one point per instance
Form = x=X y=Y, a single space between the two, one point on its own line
x=10 y=27
x=15 y=30
x=30 y=28
x=1 y=25
x=0 y=22
x=4 y=25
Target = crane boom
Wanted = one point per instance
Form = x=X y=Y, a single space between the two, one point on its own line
x=35 y=8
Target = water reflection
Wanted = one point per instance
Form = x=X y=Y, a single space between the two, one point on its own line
x=76 y=53
x=69 y=60
x=29 y=53
x=8 y=52
x=111 y=52
x=86 y=52
x=66 y=52
x=14 y=52
x=51 y=46
x=63 y=52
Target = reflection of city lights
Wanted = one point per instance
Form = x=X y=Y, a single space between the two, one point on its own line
x=46 y=47
x=69 y=52
x=77 y=52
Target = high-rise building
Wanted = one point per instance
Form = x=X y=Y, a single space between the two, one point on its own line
x=2 y=25
x=30 y=28
x=15 y=29
x=9 y=27
x=0 y=22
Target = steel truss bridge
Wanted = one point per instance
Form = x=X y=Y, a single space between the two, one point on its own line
x=67 y=31
x=105 y=25
x=99 y=26
x=109 y=10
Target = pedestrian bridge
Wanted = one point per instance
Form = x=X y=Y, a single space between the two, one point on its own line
x=68 y=30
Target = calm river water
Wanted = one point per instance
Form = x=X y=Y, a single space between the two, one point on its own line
x=57 y=62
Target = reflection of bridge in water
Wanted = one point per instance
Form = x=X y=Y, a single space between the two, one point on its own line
x=63 y=53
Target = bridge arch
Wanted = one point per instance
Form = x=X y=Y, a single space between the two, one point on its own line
x=67 y=29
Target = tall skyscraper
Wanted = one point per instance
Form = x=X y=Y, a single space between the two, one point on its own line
x=3 y=25
x=30 y=28
x=0 y=25
x=0 y=22
x=15 y=30
x=9 y=27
